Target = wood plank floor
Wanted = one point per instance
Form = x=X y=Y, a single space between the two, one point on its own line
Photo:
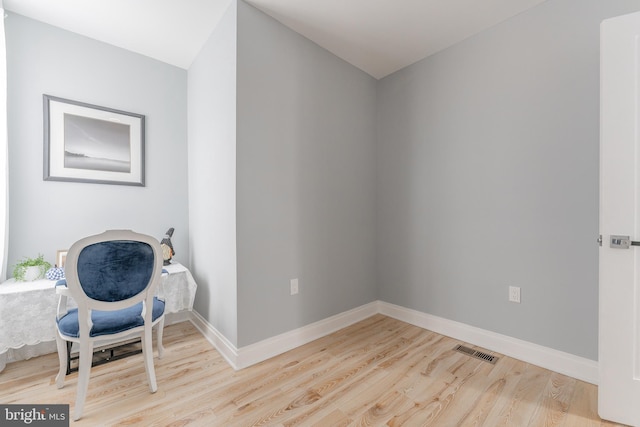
x=376 y=372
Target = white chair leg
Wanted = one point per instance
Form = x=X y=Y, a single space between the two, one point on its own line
x=147 y=350
x=159 y=335
x=62 y=357
x=84 y=371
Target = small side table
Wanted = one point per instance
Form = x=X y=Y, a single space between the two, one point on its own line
x=178 y=288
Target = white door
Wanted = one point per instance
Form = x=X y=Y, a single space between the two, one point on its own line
x=619 y=334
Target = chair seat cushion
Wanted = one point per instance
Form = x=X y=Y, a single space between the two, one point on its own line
x=109 y=322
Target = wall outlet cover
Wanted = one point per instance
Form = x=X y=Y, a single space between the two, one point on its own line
x=514 y=294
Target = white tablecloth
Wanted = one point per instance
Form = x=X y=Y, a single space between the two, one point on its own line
x=28 y=312
x=178 y=289
x=27 y=318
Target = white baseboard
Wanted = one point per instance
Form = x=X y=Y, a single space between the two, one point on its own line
x=243 y=357
x=228 y=351
x=282 y=343
x=545 y=357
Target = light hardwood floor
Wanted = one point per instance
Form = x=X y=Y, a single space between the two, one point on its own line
x=377 y=372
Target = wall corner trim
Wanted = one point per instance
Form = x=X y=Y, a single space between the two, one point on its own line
x=564 y=363
x=225 y=347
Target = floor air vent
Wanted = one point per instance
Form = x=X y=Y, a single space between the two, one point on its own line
x=477 y=354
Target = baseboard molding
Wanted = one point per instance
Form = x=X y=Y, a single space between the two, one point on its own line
x=282 y=343
x=243 y=357
x=548 y=358
x=226 y=349
x=545 y=357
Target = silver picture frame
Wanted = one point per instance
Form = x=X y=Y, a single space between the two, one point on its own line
x=89 y=143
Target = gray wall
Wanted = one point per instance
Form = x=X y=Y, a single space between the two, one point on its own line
x=212 y=176
x=488 y=177
x=47 y=216
x=485 y=172
x=305 y=180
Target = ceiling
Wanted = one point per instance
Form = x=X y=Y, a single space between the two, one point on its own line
x=377 y=36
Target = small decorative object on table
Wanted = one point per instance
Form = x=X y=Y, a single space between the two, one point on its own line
x=167 y=247
x=55 y=273
x=30 y=269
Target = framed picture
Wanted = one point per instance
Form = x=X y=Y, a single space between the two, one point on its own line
x=88 y=143
x=61 y=258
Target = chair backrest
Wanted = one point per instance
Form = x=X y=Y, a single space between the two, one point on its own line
x=113 y=270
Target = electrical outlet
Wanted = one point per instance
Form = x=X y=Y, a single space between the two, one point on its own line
x=294 y=286
x=514 y=294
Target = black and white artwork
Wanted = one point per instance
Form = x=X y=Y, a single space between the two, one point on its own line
x=96 y=144
x=88 y=143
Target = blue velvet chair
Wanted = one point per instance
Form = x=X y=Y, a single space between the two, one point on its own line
x=112 y=277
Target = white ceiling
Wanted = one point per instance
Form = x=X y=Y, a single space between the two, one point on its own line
x=172 y=31
x=383 y=36
x=377 y=36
